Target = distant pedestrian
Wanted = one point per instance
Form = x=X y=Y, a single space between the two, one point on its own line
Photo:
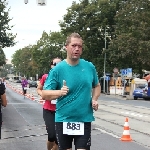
x=24 y=83
x=49 y=111
x=4 y=81
x=3 y=101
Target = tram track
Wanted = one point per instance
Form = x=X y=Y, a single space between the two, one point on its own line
x=28 y=131
x=148 y=114
x=116 y=135
x=122 y=126
x=113 y=126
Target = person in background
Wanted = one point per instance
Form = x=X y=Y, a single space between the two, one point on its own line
x=75 y=84
x=49 y=111
x=3 y=101
x=2 y=94
x=24 y=84
x=4 y=81
x=39 y=78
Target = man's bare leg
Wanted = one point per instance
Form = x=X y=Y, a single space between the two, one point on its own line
x=55 y=146
x=50 y=145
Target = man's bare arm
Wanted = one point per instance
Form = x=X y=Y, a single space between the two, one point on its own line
x=54 y=94
x=95 y=94
x=47 y=94
x=51 y=94
x=39 y=89
x=3 y=100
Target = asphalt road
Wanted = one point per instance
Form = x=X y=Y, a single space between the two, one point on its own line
x=23 y=128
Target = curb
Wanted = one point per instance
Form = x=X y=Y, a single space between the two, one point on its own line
x=29 y=96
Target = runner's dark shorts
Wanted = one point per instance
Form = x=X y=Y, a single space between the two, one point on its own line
x=80 y=141
x=24 y=91
x=49 y=118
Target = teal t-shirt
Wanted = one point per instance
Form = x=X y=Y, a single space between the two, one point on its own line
x=76 y=106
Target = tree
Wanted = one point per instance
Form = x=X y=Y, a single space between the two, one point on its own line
x=47 y=48
x=21 y=61
x=131 y=47
x=35 y=59
x=6 y=37
x=2 y=57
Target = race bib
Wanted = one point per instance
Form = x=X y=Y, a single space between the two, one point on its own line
x=53 y=101
x=25 y=88
x=73 y=128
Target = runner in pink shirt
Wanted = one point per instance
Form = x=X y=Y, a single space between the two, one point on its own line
x=49 y=112
x=48 y=105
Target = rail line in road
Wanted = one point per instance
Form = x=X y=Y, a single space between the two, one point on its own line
x=110 y=118
x=135 y=113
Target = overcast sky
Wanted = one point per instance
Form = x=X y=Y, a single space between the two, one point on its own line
x=30 y=20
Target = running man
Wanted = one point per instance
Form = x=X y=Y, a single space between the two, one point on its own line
x=75 y=83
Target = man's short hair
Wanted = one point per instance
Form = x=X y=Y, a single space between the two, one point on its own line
x=74 y=35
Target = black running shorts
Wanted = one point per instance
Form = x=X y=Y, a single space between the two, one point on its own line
x=80 y=141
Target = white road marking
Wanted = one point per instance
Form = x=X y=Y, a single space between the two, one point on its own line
x=113 y=135
x=133 y=114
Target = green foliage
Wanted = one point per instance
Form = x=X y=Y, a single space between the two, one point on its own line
x=131 y=47
x=21 y=60
x=6 y=69
x=6 y=37
x=47 y=48
x=35 y=59
x=2 y=57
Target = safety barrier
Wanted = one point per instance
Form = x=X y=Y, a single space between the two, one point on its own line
x=118 y=90
x=28 y=95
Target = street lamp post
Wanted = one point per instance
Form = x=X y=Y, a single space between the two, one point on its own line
x=104 y=63
x=105 y=36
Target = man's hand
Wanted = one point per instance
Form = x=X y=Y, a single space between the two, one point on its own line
x=95 y=105
x=64 y=90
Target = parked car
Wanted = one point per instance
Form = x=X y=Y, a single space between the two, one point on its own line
x=138 y=92
x=146 y=94
x=33 y=84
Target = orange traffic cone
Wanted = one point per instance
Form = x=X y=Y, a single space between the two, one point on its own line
x=41 y=101
x=126 y=134
x=32 y=98
x=28 y=95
